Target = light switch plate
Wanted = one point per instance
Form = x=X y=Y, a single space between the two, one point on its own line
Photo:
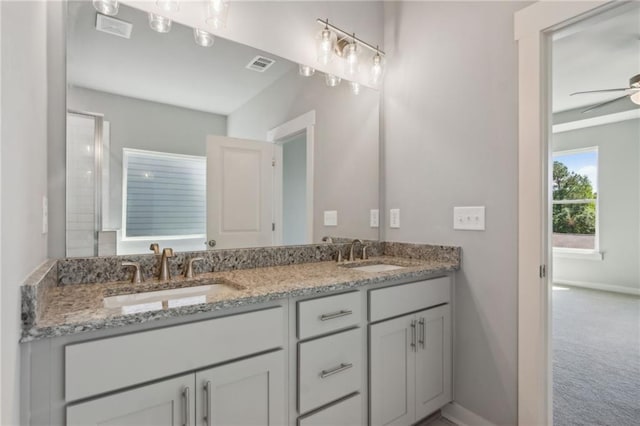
x=374 y=218
x=45 y=214
x=331 y=218
x=469 y=218
x=394 y=218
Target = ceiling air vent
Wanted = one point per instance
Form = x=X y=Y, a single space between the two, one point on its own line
x=113 y=26
x=260 y=64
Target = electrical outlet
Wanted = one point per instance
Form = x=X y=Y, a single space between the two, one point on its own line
x=45 y=215
x=374 y=218
x=331 y=218
x=394 y=218
x=469 y=218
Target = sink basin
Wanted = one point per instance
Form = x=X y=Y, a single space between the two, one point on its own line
x=373 y=267
x=189 y=293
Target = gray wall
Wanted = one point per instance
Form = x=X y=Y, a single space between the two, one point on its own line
x=294 y=190
x=618 y=209
x=24 y=174
x=450 y=139
x=139 y=124
x=346 y=166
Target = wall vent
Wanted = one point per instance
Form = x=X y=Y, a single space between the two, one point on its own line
x=113 y=26
x=260 y=64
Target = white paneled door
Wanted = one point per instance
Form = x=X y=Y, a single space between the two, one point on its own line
x=239 y=192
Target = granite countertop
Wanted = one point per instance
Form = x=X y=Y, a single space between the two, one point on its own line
x=71 y=309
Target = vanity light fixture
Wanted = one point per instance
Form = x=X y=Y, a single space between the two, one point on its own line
x=355 y=87
x=106 y=7
x=203 y=38
x=332 y=80
x=351 y=57
x=377 y=69
x=216 y=13
x=306 y=70
x=325 y=40
x=159 y=23
x=168 y=5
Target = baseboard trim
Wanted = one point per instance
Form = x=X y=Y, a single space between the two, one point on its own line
x=599 y=286
x=463 y=417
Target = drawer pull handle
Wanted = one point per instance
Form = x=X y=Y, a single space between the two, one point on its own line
x=422 y=334
x=413 y=336
x=186 y=400
x=326 y=317
x=207 y=405
x=326 y=373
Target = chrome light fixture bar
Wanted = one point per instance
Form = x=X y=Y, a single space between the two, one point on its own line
x=351 y=36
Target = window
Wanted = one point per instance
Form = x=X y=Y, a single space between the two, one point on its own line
x=575 y=194
x=163 y=195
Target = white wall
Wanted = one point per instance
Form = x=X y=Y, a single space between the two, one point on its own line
x=346 y=166
x=450 y=139
x=24 y=175
x=618 y=209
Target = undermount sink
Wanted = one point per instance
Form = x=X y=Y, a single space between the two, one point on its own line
x=374 y=267
x=188 y=293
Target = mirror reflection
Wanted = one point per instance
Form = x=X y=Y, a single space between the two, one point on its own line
x=223 y=146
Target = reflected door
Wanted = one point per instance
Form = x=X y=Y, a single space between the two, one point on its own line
x=239 y=192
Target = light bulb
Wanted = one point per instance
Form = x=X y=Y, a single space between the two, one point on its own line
x=377 y=69
x=203 y=38
x=159 y=23
x=106 y=7
x=306 y=70
x=325 y=40
x=168 y=5
x=332 y=80
x=351 y=58
x=355 y=87
x=216 y=14
x=635 y=98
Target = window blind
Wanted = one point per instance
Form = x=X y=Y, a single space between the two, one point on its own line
x=165 y=194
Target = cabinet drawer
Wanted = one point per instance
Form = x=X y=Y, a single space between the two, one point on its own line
x=327 y=314
x=329 y=368
x=105 y=365
x=397 y=300
x=347 y=412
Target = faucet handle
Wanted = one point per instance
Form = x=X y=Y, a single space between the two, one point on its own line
x=136 y=278
x=167 y=252
x=338 y=254
x=155 y=247
x=188 y=269
x=365 y=255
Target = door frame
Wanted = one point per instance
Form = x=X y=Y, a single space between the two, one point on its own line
x=303 y=123
x=533 y=29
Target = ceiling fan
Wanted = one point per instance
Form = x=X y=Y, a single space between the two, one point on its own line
x=633 y=93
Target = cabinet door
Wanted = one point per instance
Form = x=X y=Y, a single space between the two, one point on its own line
x=243 y=393
x=392 y=369
x=166 y=403
x=433 y=360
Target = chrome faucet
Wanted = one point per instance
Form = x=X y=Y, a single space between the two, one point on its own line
x=165 y=272
x=353 y=243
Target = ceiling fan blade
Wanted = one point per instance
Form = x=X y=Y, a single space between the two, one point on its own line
x=600 y=105
x=600 y=91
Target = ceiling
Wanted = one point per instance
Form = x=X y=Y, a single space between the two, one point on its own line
x=597 y=54
x=169 y=68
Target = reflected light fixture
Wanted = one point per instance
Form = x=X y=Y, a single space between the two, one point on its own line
x=325 y=40
x=350 y=54
x=332 y=80
x=306 y=70
x=106 y=7
x=377 y=69
x=355 y=87
x=168 y=5
x=159 y=23
x=216 y=13
x=203 y=38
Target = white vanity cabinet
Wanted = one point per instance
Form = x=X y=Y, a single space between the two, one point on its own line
x=409 y=356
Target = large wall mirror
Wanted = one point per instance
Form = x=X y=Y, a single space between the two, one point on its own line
x=207 y=147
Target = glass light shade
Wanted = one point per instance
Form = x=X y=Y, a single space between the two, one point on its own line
x=306 y=70
x=635 y=98
x=216 y=13
x=325 y=42
x=332 y=80
x=106 y=7
x=159 y=23
x=203 y=38
x=377 y=69
x=350 y=54
x=168 y=5
x=355 y=87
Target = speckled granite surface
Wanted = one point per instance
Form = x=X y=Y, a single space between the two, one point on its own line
x=70 y=309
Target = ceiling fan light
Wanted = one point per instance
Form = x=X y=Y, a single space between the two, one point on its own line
x=106 y=7
x=203 y=38
x=159 y=23
x=635 y=98
x=306 y=70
